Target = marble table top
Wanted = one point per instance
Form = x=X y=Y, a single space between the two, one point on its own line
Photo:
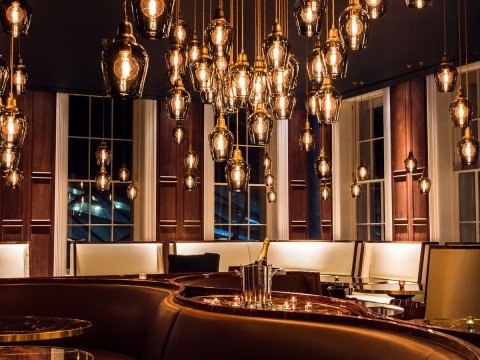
x=42 y=352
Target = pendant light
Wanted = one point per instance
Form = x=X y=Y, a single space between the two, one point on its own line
x=180 y=32
x=272 y=195
x=269 y=178
x=323 y=165
x=354 y=25
x=103 y=179
x=418 y=4
x=260 y=126
x=178 y=102
x=306 y=138
x=176 y=60
x=315 y=63
x=311 y=103
x=324 y=191
x=14 y=178
x=132 y=191
x=15 y=17
x=330 y=101
x=467 y=148
x=9 y=159
x=20 y=77
x=360 y=173
x=179 y=133
x=266 y=161
x=153 y=18
x=124 y=63
x=190 y=182
x=376 y=8
x=191 y=160
x=445 y=74
x=237 y=171
x=220 y=141
x=13 y=124
x=355 y=188
x=276 y=47
x=410 y=161
x=424 y=184
x=259 y=92
x=193 y=49
x=219 y=33
x=308 y=16
x=102 y=154
x=123 y=173
x=283 y=105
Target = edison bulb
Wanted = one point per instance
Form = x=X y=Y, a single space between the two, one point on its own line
x=276 y=51
x=334 y=57
x=103 y=179
x=193 y=53
x=460 y=110
x=219 y=36
x=467 y=148
x=267 y=161
x=202 y=73
x=13 y=178
x=132 y=191
x=309 y=14
x=323 y=167
x=411 y=163
x=424 y=184
x=306 y=139
x=191 y=160
x=356 y=189
x=324 y=192
x=180 y=33
x=10 y=127
x=362 y=171
x=125 y=67
x=8 y=158
x=221 y=63
x=15 y=13
x=152 y=8
x=176 y=58
x=179 y=133
x=123 y=173
x=272 y=195
x=189 y=182
x=269 y=179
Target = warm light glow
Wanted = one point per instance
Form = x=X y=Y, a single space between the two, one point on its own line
x=202 y=73
x=10 y=128
x=191 y=161
x=323 y=166
x=325 y=192
x=354 y=26
x=176 y=58
x=356 y=189
x=190 y=181
x=424 y=184
x=179 y=133
x=8 y=157
x=411 y=163
x=219 y=36
x=220 y=143
x=362 y=172
x=180 y=33
x=125 y=67
x=103 y=180
x=123 y=173
x=132 y=191
x=221 y=63
x=272 y=195
x=269 y=179
x=15 y=13
x=193 y=53
x=276 y=52
x=152 y=8
x=309 y=14
x=13 y=178
x=267 y=162
x=460 y=111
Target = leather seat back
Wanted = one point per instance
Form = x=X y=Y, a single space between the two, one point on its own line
x=14 y=260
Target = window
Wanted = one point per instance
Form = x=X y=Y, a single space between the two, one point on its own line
x=241 y=216
x=370 y=212
x=92 y=215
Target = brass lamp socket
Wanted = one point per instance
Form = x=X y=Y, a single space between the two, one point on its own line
x=125 y=31
x=276 y=29
x=333 y=34
x=468 y=133
x=204 y=53
x=219 y=14
x=11 y=102
x=237 y=155
x=242 y=59
x=259 y=64
x=221 y=123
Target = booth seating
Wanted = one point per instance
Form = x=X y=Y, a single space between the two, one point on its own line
x=453 y=286
x=14 y=260
x=89 y=259
x=326 y=257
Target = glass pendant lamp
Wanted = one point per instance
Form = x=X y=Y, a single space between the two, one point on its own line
x=311 y=103
x=178 y=102
x=220 y=141
x=209 y=94
x=306 y=138
x=362 y=171
x=376 y=8
x=259 y=91
x=315 y=63
x=334 y=55
x=20 y=77
x=153 y=18
x=179 y=133
x=418 y=4
x=103 y=179
x=191 y=160
x=266 y=161
x=179 y=33
x=241 y=76
x=324 y=192
x=411 y=163
x=228 y=97
x=123 y=173
x=308 y=16
x=219 y=34
x=193 y=51
x=13 y=124
x=260 y=126
x=190 y=182
x=276 y=48
x=202 y=71
x=15 y=17
x=424 y=184
x=237 y=172
x=221 y=66
x=354 y=25
x=269 y=179
x=323 y=166
x=102 y=154
x=176 y=60
x=9 y=159
x=460 y=110
x=330 y=101
x=132 y=191
x=14 y=178
x=356 y=189
x=272 y=195
x=445 y=74
x=283 y=105
x=467 y=148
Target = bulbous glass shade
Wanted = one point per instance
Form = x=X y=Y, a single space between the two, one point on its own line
x=323 y=166
x=259 y=91
x=20 y=78
x=14 y=178
x=237 y=172
x=15 y=17
x=191 y=160
x=354 y=25
x=411 y=163
x=308 y=17
x=424 y=184
x=267 y=161
x=10 y=157
x=124 y=64
x=179 y=133
x=306 y=138
x=221 y=66
x=362 y=171
x=272 y=195
x=220 y=141
x=241 y=76
x=325 y=192
x=330 y=101
x=311 y=103
x=467 y=148
x=460 y=110
x=445 y=76
x=209 y=94
x=355 y=189
x=178 y=102
x=193 y=50
x=269 y=179
x=179 y=33
x=260 y=126
x=376 y=8
x=190 y=182
x=102 y=154
x=219 y=34
x=103 y=179
x=153 y=18
x=4 y=75
x=418 y=4
x=13 y=125
x=276 y=49
x=202 y=71
x=283 y=105
x=315 y=64
x=123 y=173
x=176 y=60
x=334 y=55
x=132 y=191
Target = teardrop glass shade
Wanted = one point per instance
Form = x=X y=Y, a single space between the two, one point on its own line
x=13 y=125
x=362 y=171
x=308 y=17
x=179 y=33
x=193 y=50
x=132 y=191
x=202 y=72
x=219 y=34
x=179 y=133
x=153 y=18
x=330 y=102
x=467 y=148
x=190 y=182
x=276 y=49
x=269 y=179
x=323 y=166
x=20 y=78
x=4 y=75
x=191 y=160
x=418 y=4
x=312 y=104
x=460 y=110
x=272 y=195
x=354 y=25
x=178 y=102
x=424 y=184
x=315 y=64
x=306 y=138
x=102 y=154
x=237 y=172
x=124 y=64
x=283 y=105
x=260 y=126
x=15 y=17
x=376 y=8
x=446 y=76
x=14 y=178
x=259 y=92
x=325 y=192
x=241 y=78
x=267 y=161
x=176 y=60
x=103 y=179
x=410 y=163
x=123 y=173
x=356 y=189
x=9 y=156
x=221 y=142
x=335 y=56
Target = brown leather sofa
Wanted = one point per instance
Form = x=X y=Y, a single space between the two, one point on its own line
x=143 y=320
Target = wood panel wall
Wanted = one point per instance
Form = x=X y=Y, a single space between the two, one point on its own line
x=179 y=212
x=326 y=209
x=409 y=133
x=27 y=213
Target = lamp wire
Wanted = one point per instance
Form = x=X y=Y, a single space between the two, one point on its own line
x=466 y=48
x=194 y=16
x=124 y=126
x=326 y=21
x=11 y=65
x=276 y=10
x=444 y=29
x=125 y=10
x=203 y=22
x=237 y=130
x=459 y=41
x=237 y=22
x=232 y=49
x=333 y=14
x=243 y=26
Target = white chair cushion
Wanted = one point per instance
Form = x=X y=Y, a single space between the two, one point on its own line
x=14 y=260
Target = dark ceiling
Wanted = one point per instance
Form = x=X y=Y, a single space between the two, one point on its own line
x=63 y=48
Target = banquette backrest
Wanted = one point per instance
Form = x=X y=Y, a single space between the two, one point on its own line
x=14 y=260
x=116 y=258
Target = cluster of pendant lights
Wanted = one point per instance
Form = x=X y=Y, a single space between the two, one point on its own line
x=15 y=18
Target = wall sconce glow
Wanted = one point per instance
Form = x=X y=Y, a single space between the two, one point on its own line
x=411 y=163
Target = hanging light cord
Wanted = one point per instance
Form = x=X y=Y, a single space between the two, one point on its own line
x=195 y=16
x=243 y=26
x=466 y=49
x=203 y=22
x=326 y=21
x=276 y=11
x=124 y=132
x=232 y=50
x=125 y=10
x=444 y=29
x=237 y=130
x=333 y=14
x=11 y=65
x=354 y=135
x=322 y=130
x=459 y=42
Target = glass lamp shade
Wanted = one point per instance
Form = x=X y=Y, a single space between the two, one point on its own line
x=354 y=25
x=323 y=166
x=283 y=105
x=153 y=18
x=311 y=103
x=176 y=60
x=132 y=191
x=279 y=81
x=259 y=91
x=237 y=172
x=123 y=173
x=267 y=161
x=9 y=158
x=179 y=133
x=4 y=75
x=260 y=126
x=228 y=97
x=272 y=195
x=220 y=141
x=124 y=64
x=418 y=4
x=221 y=66
x=411 y=163
x=445 y=76
x=308 y=17
x=103 y=179
x=20 y=78
x=460 y=110
x=325 y=192
x=315 y=64
x=355 y=189
x=330 y=101
x=306 y=138
x=362 y=171
x=376 y=8
x=102 y=154
x=424 y=184
x=202 y=71
x=13 y=124
x=219 y=34
x=193 y=50
x=178 y=102
x=14 y=178
x=467 y=148
x=334 y=55
x=209 y=94
x=15 y=17
x=191 y=160
x=179 y=33
x=241 y=76
x=190 y=182
x=269 y=179
x=276 y=49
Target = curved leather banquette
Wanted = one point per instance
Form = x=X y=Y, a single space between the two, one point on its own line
x=143 y=320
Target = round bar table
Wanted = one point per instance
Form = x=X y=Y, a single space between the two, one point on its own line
x=42 y=352
x=32 y=328
x=397 y=291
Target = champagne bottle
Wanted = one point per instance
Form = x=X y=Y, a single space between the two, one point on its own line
x=262 y=257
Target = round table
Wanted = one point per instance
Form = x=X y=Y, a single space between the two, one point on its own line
x=396 y=291
x=348 y=280
x=32 y=328
x=42 y=352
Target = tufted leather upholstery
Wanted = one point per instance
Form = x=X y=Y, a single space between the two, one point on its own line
x=14 y=260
